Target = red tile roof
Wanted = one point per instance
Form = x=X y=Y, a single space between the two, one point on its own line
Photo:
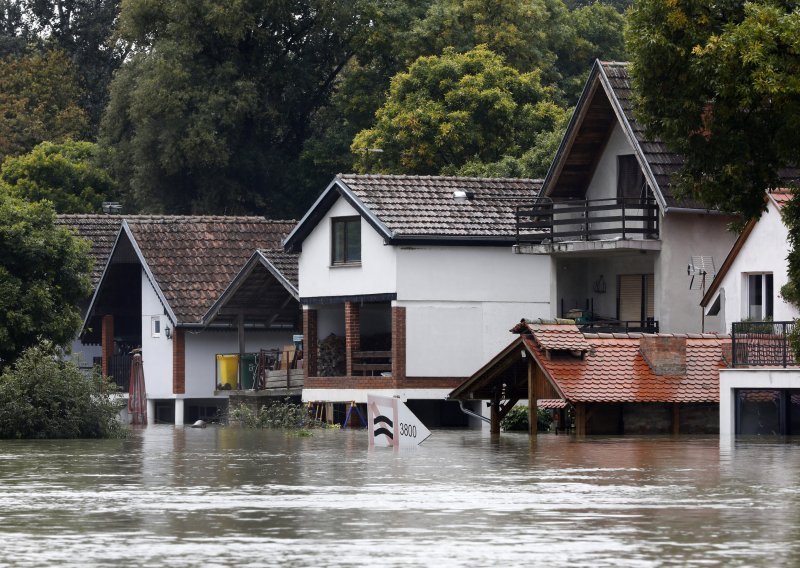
x=781 y=196
x=558 y=337
x=194 y=258
x=615 y=371
x=551 y=403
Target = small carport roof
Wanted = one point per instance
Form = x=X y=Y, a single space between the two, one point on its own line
x=263 y=292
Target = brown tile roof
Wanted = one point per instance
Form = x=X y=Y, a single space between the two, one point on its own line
x=101 y=231
x=194 y=258
x=615 y=371
x=284 y=262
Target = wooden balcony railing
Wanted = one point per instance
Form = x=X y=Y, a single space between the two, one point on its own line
x=372 y=362
x=546 y=220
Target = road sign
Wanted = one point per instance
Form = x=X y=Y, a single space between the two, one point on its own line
x=392 y=424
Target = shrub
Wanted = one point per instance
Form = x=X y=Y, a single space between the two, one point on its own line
x=286 y=415
x=517 y=420
x=43 y=397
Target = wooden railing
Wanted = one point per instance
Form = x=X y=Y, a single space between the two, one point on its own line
x=762 y=343
x=593 y=219
x=371 y=362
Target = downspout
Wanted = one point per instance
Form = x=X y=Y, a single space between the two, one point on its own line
x=471 y=413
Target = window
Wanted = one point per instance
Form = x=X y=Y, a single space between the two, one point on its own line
x=155 y=326
x=346 y=240
x=630 y=179
x=636 y=298
x=759 y=296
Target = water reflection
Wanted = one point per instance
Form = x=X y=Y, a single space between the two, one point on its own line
x=233 y=497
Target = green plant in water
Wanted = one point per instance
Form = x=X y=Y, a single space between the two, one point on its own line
x=517 y=420
x=44 y=397
x=284 y=415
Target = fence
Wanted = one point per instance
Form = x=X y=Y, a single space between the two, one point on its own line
x=756 y=343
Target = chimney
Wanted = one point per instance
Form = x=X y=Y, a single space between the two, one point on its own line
x=666 y=355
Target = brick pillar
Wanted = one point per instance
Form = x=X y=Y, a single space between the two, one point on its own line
x=352 y=333
x=107 y=342
x=178 y=362
x=398 y=346
x=310 y=343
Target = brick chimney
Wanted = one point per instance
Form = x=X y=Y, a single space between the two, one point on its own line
x=666 y=355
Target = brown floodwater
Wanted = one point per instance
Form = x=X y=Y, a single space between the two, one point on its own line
x=222 y=496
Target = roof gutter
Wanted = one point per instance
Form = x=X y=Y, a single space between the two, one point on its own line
x=469 y=412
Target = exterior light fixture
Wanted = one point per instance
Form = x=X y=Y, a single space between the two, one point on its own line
x=168 y=332
x=461 y=196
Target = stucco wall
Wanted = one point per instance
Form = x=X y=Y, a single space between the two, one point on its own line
x=604 y=180
x=684 y=235
x=764 y=250
x=375 y=275
x=156 y=351
x=752 y=378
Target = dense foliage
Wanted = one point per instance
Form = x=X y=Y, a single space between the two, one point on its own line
x=43 y=277
x=43 y=397
x=285 y=415
x=67 y=175
x=517 y=420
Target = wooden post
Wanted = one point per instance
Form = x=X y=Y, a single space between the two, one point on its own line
x=532 y=401
x=495 y=416
x=676 y=418
x=329 y=412
x=240 y=326
x=107 y=342
x=580 y=419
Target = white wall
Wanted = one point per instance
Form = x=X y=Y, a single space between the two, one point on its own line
x=156 y=351
x=375 y=275
x=604 y=180
x=461 y=301
x=764 y=250
x=684 y=235
x=760 y=378
x=201 y=350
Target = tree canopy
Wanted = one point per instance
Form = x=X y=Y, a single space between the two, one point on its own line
x=43 y=276
x=455 y=108
x=65 y=174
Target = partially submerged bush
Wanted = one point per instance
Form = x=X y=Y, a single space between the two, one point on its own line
x=286 y=415
x=517 y=420
x=43 y=397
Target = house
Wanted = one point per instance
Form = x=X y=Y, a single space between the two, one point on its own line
x=406 y=282
x=760 y=391
x=162 y=276
x=605 y=383
x=618 y=237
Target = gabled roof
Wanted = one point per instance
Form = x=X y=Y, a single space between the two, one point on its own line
x=779 y=198
x=101 y=231
x=422 y=209
x=190 y=260
x=607 y=100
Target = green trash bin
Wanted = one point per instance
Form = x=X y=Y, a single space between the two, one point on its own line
x=248 y=371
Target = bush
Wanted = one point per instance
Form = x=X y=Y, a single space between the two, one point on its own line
x=43 y=397
x=284 y=415
x=517 y=420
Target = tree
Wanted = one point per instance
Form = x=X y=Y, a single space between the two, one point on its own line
x=447 y=111
x=213 y=109
x=65 y=174
x=43 y=276
x=39 y=96
x=42 y=397
x=729 y=101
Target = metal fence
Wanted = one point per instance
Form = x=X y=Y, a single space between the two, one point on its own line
x=757 y=343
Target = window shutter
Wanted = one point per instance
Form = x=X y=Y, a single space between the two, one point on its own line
x=630 y=297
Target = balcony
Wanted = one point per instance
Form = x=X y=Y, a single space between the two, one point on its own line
x=548 y=226
x=618 y=326
x=762 y=344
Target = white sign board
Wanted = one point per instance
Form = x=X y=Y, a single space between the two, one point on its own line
x=392 y=424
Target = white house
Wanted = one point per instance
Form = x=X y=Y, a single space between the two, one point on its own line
x=163 y=275
x=618 y=239
x=417 y=277
x=760 y=391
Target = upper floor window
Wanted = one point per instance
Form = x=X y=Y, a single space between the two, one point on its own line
x=630 y=178
x=759 y=305
x=346 y=240
x=155 y=326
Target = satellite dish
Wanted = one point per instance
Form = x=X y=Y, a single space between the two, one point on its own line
x=702 y=271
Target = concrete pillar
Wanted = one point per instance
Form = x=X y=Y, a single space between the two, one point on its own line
x=179 y=412
x=310 y=341
x=107 y=342
x=352 y=333
x=151 y=411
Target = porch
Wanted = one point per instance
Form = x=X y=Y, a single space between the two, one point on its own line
x=266 y=373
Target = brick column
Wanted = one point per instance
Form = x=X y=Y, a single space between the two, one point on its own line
x=310 y=341
x=178 y=361
x=352 y=333
x=398 y=346
x=107 y=342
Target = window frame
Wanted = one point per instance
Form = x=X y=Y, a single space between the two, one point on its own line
x=639 y=181
x=345 y=221
x=766 y=299
x=155 y=326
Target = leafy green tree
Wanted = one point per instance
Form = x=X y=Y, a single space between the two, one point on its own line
x=729 y=100
x=43 y=276
x=42 y=397
x=447 y=111
x=213 y=109
x=67 y=175
x=39 y=100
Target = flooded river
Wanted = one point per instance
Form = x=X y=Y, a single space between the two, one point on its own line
x=216 y=497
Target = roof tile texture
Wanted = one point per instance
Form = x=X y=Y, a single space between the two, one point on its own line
x=422 y=206
x=101 y=231
x=558 y=337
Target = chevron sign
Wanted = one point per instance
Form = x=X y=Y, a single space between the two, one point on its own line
x=392 y=424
